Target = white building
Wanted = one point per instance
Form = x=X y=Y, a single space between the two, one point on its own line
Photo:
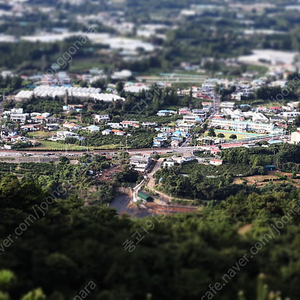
x=227 y=104
x=100 y=118
x=290 y=114
x=52 y=127
x=127 y=124
x=6 y=74
x=17 y=115
x=169 y=163
x=93 y=128
x=259 y=117
x=184 y=127
x=71 y=126
x=61 y=135
x=114 y=125
x=191 y=119
x=200 y=113
x=16 y=111
x=122 y=74
x=216 y=162
x=243 y=125
x=136 y=88
x=106 y=132
x=209 y=84
x=140 y=162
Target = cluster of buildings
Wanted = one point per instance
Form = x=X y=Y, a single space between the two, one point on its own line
x=245 y=87
x=176 y=134
x=171 y=161
x=117 y=128
x=18 y=115
x=168 y=135
x=62 y=135
x=260 y=120
x=141 y=163
x=11 y=139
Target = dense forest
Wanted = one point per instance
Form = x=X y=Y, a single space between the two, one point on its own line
x=60 y=246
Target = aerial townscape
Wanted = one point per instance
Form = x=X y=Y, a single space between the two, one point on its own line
x=149 y=150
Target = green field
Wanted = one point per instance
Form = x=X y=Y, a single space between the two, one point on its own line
x=58 y=146
x=49 y=145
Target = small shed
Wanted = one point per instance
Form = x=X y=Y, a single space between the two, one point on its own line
x=270 y=167
x=144 y=196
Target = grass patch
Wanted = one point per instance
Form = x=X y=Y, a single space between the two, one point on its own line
x=59 y=146
x=41 y=134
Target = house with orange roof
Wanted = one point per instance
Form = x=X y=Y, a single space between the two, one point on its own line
x=117 y=132
x=127 y=124
x=71 y=126
x=39 y=119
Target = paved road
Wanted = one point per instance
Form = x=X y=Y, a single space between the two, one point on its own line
x=186 y=142
x=14 y=153
x=179 y=150
x=136 y=190
x=157 y=166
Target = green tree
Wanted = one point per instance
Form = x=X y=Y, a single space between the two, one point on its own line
x=211 y=132
x=64 y=160
x=119 y=86
x=37 y=294
x=7 y=280
x=83 y=84
x=297 y=121
x=100 y=83
x=16 y=82
x=4 y=296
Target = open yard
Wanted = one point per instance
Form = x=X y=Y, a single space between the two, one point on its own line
x=40 y=134
x=240 y=135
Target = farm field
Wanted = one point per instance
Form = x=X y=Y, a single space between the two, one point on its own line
x=262 y=180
